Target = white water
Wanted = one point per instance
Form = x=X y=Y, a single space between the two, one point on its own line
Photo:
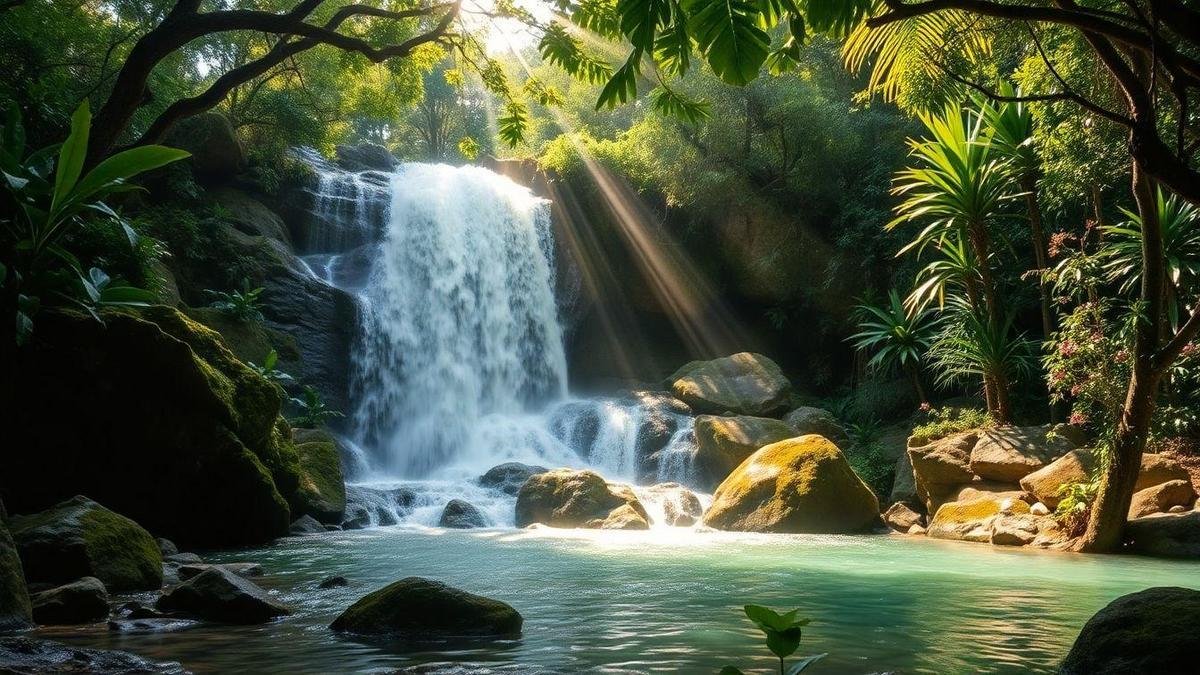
x=460 y=364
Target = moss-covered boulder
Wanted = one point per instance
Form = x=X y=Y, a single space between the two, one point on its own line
x=972 y=520
x=250 y=341
x=509 y=477
x=14 y=596
x=417 y=608
x=1152 y=632
x=569 y=498
x=219 y=594
x=722 y=443
x=166 y=426
x=801 y=484
x=322 y=490
x=743 y=384
x=82 y=601
x=80 y=538
x=217 y=153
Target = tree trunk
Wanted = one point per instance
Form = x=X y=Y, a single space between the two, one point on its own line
x=915 y=374
x=1038 y=236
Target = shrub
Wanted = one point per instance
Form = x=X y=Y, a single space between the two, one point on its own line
x=942 y=422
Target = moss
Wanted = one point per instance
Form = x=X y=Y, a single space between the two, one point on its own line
x=248 y=340
x=422 y=608
x=976 y=510
x=725 y=442
x=15 y=610
x=322 y=490
x=569 y=498
x=123 y=554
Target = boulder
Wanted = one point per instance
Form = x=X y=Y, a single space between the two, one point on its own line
x=904 y=486
x=370 y=507
x=1166 y=534
x=306 y=524
x=1077 y=465
x=1018 y=530
x=27 y=655
x=743 y=384
x=509 y=477
x=722 y=443
x=217 y=153
x=1152 y=632
x=166 y=547
x=81 y=601
x=336 y=581
x=365 y=157
x=1010 y=453
x=14 y=596
x=242 y=569
x=901 y=518
x=680 y=506
x=807 y=420
x=416 y=608
x=1157 y=469
x=1160 y=498
x=801 y=484
x=625 y=517
x=940 y=467
x=972 y=521
x=461 y=515
x=322 y=490
x=978 y=488
x=217 y=594
x=80 y=538
x=184 y=558
x=249 y=215
x=205 y=461
x=569 y=498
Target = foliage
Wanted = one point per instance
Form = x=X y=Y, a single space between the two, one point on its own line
x=312 y=411
x=1090 y=365
x=242 y=304
x=1075 y=505
x=269 y=370
x=898 y=338
x=783 y=633
x=970 y=345
x=869 y=459
x=942 y=422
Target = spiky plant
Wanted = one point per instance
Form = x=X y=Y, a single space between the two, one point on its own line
x=898 y=338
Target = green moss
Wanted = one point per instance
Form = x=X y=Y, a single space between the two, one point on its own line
x=123 y=554
x=417 y=608
x=322 y=490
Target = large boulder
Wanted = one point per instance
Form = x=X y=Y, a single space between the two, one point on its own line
x=14 y=596
x=416 y=608
x=941 y=467
x=369 y=507
x=218 y=594
x=808 y=420
x=743 y=384
x=80 y=538
x=972 y=520
x=249 y=215
x=461 y=515
x=569 y=498
x=202 y=457
x=1077 y=466
x=26 y=655
x=1159 y=498
x=322 y=489
x=801 y=484
x=679 y=506
x=904 y=486
x=722 y=443
x=1152 y=632
x=509 y=477
x=365 y=157
x=217 y=153
x=1010 y=453
x=1165 y=534
x=81 y=601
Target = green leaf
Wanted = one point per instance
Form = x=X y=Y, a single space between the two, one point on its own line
x=513 y=125
x=671 y=103
x=622 y=86
x=730 y=670
x=764 y=617
x=728 y=35
x=24 y=327
x=673 y=47
x=125 y=165
x=271 y=359
x=804 y=662
x=126 y=295
x=72 y=155
x=640 y=20
x=783 y=643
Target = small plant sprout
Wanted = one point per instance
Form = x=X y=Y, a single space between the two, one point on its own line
x=783 y=632
x=313 y=411
x=269 y=368
x=242 y=304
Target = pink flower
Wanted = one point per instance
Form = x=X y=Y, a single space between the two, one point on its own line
x=1067 y=348
x=1189 y=349
x=1077 y=419
x=1121 y=356
x=925 y=407
x=1076 y=389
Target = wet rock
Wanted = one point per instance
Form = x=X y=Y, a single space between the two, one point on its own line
x=151 y=625
x=166 y=547
x=82 y=601
x=416 y=608
x=661 y=414
x=900 y=517
x=1160 y=498
x=27 y=655
x=509 y=477
x=79 y=538
x=322 y=490
x=1149 y=632
x=14 y=596
x=217 y=594
x=972 y=521
x=940 y=467
x=744 y=384
x=242 y=569
x=722 y=443
x=460 y=514
x=808 y=420
x=184 y=558
x=1010 y=453
x=369 y=507
x=577 y=425
x=1165 y=534
x=365 y=157
x=569 y=498
x=306 y=525
x=336 y=581
x=801 y=484
x=136 y=610
x=680 y=506
x=625 y=517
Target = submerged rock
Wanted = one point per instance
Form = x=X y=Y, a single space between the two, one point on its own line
x=1152 y=632
x=217 y=594
x=460 y=514
x=744 y=384
x=82 y=601
x=509 y=477
x=722 y=443
x=14 y=596
x=336 y=581
x=27 y=655
x=80 y=538
x=801 y=484
x=1010 y=453
x=569 y=498
x=1165 y=534
x=306 y=525
x=417 y=608
x=370 y=507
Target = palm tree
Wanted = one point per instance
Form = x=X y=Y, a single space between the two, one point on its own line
x=971 y=345
x=898 y=338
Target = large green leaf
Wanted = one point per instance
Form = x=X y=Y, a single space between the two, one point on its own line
x=728 y=34
x=72 y=154
x=640 y=20
x=622 y=86
x=783 y=643
x=123 y=166
x=803 y=663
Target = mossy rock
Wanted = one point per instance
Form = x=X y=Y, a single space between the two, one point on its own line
x=1149 y=632
x=798 y=485
x=722 y=443
x=570 y=498
x=417 y=608
x=80 y=538
x=250 y=341
x=15 y=609
x=322 y=490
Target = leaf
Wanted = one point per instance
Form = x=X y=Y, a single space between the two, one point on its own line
x=125 y=165
x=640 y=20
x=98 y=278
x=727 y=33
x=783 y=643
x=513 y=125
x=673 y=48
x=72 y=154
x=764 y=616
x=24 y=327
x=803 y=663
x=271 y=359
x=622 y=86
x=730 y=670
x=126 y=295
x=671 y=103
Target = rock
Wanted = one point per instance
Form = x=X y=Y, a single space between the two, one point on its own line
x=577 y=425
x=916 y=530
x=972 y=521
x=978 y=488
x=625 y=517
x=904 y=487
x=744 y=384
x=1149 y=632
x=136 y=610
x=1010 y=453
x=462 y=515
x=1039 y=509
x=1165 y=534
x=79 y=538
x=569 y=498
x=1177 y=509
x=207 y=464
x=154 y=625
x=806 y=420
x=801 y=484
x=1160 y=498
x=1157 y=469
x=1014 y=530
x=249 y=215
x=661 y=416
x=365 y=157
x=306 y=525
x=166 y=547
x=26 y=655
x=369 y=507
x=900 y=517
x=940 y=467
x=416 y=608
x=322 y=490
x=336 y=581
x=184 y=559
x=82 y=601
x=217 y=152
x=217 y=594
x=14 y=596
x=722 y=443
x=1077 y=465
x=242 y=569
x=680 y=506
x=509 y=477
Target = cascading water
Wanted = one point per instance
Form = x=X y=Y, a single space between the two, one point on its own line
x=459 y=364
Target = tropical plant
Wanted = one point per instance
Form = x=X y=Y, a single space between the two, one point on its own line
x=313 y=412
x=898 y=338
x=269 y=370
x=1075 y=505
x=49 y=197
x=941 y=422
x=783 y=632
x=1089 y=363
x=973 y=346
x=241 y=304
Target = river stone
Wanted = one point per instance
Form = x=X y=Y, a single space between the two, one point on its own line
x=80 y=538
x=368 y=507
x=417 y=608
x=743 y=384
x=797 y=485
x=322 y=489
x=940 y=467
x=306 y=524
x=900 y=517
x=184 y=558
x=569 y=498
x=1166 y=534
x=335 y=581
x=217 y=594
x=1160 y=498
x=462 y=515
x=1076 y=465
x=972 y=521
x=1018 y=530
x=509 y=477
x=1152 y=632
x=680 y=506
x=81 y=601
x=625 y=517
x=26 y=655
x=1010 y=453
x=808 y=420
x=722 y=443
x=14 y=596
